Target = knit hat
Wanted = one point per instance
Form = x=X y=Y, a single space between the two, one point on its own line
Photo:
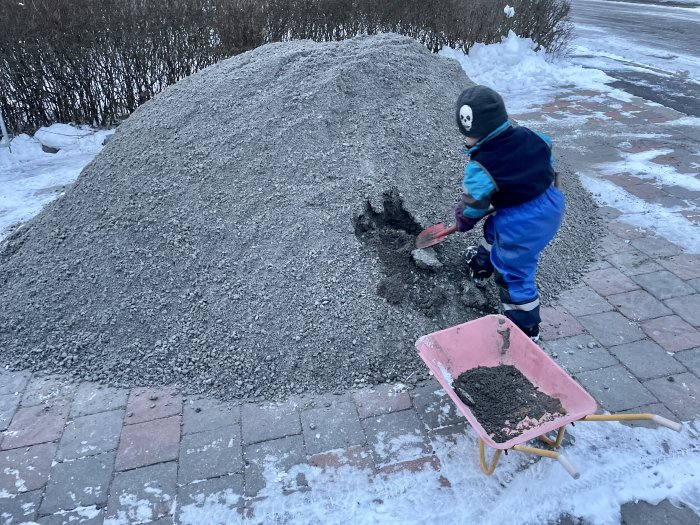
x=480 y=110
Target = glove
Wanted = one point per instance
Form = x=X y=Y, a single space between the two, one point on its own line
x=464 y=224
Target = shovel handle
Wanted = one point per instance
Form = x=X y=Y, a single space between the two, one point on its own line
x=446 y=232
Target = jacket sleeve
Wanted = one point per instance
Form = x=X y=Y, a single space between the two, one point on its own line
x=547 y=141
x=478 y=186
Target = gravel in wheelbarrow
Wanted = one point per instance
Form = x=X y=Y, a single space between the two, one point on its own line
x=504 y=401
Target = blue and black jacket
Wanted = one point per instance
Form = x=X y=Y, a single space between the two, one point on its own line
x=510 y=166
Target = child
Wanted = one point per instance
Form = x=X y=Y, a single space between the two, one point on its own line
x=510 y=172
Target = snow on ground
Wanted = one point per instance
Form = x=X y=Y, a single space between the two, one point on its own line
x=665 y=221
x=30 y=178
x=524 y=77
x=640 y=164
x=617 y=463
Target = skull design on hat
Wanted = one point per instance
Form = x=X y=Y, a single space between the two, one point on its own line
x=479 y=111
x=466 y=116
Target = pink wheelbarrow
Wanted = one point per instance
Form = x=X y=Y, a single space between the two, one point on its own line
x=494 y=340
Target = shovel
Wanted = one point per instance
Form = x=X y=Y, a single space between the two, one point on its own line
x=434 y=235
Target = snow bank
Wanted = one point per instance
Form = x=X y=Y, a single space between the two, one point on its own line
x=524 y=77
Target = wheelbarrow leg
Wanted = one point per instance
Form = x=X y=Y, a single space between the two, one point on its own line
x=554 y=442
x=488 y=470
x=550 y=454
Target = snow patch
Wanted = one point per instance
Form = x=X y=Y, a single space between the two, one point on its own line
x=31 y=178
x=666 y=222
x=618 y=464
x=524 y=75
x=640 y=165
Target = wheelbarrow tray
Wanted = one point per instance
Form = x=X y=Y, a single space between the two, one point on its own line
x=491 y=341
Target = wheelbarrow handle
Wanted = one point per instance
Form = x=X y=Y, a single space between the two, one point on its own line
x=568 y=466
x=660 y=420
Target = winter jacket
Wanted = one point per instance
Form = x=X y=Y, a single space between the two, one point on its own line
x=508 y=167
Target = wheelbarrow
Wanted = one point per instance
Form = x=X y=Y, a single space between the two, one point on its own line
x=495 y=340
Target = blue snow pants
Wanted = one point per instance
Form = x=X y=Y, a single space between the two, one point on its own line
x=514 y=237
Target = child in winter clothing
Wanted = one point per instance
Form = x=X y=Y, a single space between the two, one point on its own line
x=510 y=172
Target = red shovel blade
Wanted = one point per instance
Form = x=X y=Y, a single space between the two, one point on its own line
x=433 y=235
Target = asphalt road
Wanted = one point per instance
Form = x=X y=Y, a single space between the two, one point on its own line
x=652 y=50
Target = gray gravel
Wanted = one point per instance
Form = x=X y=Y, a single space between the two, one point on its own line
x=240 y=232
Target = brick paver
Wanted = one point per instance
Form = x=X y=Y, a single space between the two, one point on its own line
x=680 y=393
x=90 y=435
x=685 y=266
x=695 y=283
x=210 y=454
x=672 y=333
x=412 y=465
x=638 y=305
x=45 y=389
x=633 y=262
x=205 y=414
x=334 y=427
x=36 y=424
x=611 y=328
x=20 y=508
x=688 y=308
x=148 y=443
x=278 y=454
x=611 y=243
x=579 y=353
x=27 y=468
x=147 y=404
x=269 y=421
x=222 y=493
x=91 y=398
x=625 y=231
x=143 y=495
x=381 y=399
x=609 y=281
x=13 y=382
x=357 y=456
x=584 y=301
x=8 y=407
x=615 y=389
x=89 y=516
x=690 y=359
x=396 y=437
x=79 y=483
x=434 y=407
x=655 y=246
x=663 y=284
x=646 y=360
x=558 y=323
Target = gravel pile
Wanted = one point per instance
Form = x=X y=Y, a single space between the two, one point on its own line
x=247 y=233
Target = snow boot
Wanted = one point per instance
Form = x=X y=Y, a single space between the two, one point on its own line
x=533 y=333
x=478 y=274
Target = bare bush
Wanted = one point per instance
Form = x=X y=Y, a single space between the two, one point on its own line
x=96 y=61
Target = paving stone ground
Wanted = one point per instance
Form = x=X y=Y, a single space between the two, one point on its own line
x=629 y=332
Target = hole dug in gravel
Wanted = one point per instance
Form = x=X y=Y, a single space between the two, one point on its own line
x=391 y=234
